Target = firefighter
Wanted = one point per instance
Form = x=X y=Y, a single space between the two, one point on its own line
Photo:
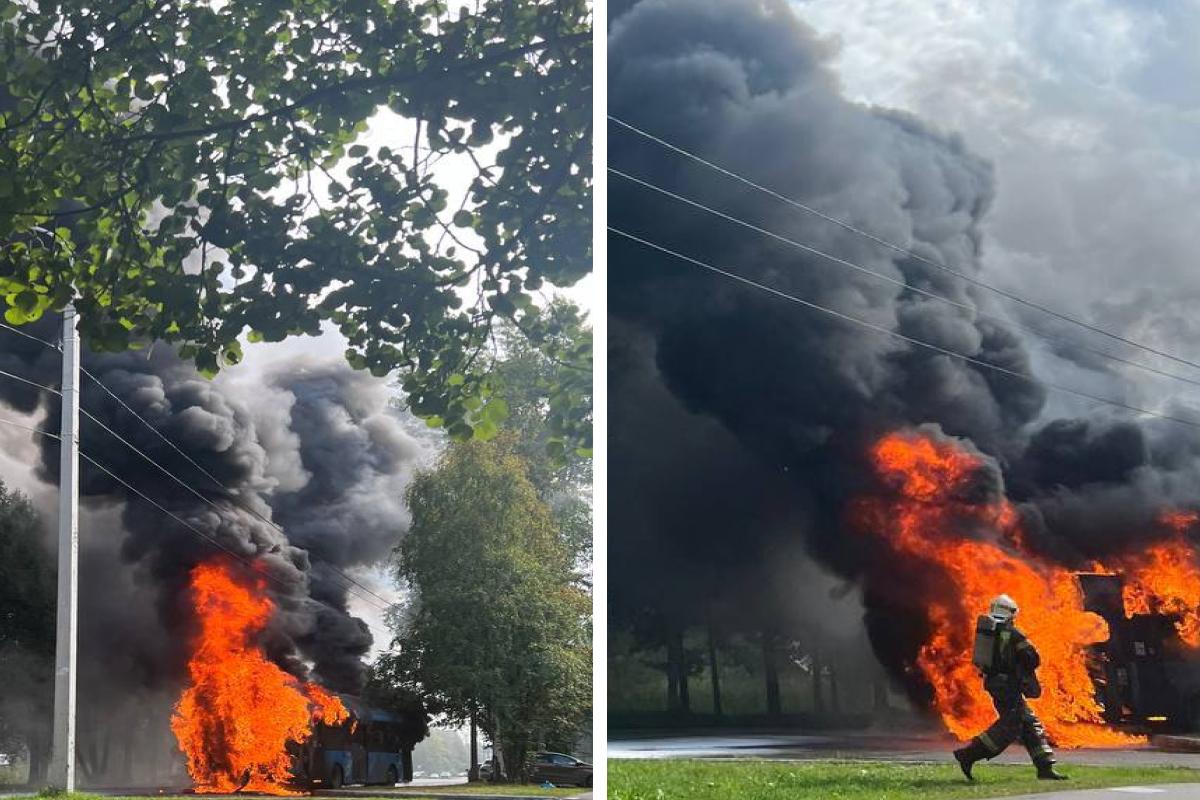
x=1009 y=662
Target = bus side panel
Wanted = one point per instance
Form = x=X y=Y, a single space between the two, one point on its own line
x=378 y=763
x=341 y=758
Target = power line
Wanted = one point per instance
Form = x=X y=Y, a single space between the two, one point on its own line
x=897 y=281
x=29 y=428
x=896 y=334
x=35 y=384
x=898 y=248
x=29 y=336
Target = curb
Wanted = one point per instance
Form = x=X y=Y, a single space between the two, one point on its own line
x=1176 y=744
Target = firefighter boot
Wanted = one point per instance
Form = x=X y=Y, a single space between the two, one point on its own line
x=1045 y=770
x=967 y=756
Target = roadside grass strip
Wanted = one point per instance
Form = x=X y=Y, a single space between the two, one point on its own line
x=857 y=780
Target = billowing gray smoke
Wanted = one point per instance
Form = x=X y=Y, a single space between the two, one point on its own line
x=729 y=392
x=309 y=444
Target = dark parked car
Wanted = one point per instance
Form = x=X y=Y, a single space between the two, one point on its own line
x=561 y=770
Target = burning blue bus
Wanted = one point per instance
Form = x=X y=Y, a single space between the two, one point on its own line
x=372 y=747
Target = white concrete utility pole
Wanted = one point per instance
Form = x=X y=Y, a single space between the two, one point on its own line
x=62 y=760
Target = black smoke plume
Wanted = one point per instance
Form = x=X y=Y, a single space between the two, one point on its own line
x=306 y=467
x=740 y=421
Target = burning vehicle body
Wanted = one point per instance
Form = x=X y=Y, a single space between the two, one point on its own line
x=371 y=746
x=1147 y=674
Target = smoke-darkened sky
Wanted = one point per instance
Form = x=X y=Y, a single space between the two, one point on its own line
x=739 y=421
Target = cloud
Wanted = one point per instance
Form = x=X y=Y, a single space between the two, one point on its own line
x=1087 y=112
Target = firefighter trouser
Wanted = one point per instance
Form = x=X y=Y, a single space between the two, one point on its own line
x=1017 y=721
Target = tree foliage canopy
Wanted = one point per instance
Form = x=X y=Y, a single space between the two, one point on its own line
x=540 y=385
x=500 y=627
x=158 y=157
x=26 y=626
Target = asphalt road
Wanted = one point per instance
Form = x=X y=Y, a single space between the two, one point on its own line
x=869 y=746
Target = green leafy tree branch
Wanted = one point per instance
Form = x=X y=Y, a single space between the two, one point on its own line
x=171 y=147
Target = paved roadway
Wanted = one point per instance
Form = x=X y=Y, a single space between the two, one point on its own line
x=869 y=746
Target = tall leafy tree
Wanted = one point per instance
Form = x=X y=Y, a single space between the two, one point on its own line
x=538 y=383
x=26 y=632
x=499 y=627
x=158 y=160
x=535 y=383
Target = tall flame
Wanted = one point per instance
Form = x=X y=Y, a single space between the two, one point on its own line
x=240 y=710
x=1165 y=579
x=975 y=548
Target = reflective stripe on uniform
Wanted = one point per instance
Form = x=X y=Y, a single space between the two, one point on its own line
x=988 y=743
x=1024 y=643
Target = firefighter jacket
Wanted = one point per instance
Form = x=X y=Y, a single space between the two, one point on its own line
x=1015 y=663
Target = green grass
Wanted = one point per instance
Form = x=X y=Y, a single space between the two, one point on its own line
x=848 y=780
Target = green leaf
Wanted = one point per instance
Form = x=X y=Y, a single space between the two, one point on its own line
x=496 y=410
x=232 y=354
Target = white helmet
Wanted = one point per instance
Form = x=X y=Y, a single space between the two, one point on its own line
x=1003 y=609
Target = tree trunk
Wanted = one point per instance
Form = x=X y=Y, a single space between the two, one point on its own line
x=835 y=704
x=127 y=756
x=685 y=698
x=881 y=696
x=771 y=672
x=498 y=770
x=818 y=696
x=672 y=683
x=676 y=680
x=712 y=669
x=514 y=757
x=473 y=772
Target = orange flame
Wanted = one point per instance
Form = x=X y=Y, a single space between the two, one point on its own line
x=1165 y=578
x=936 y=523
x=240 y=710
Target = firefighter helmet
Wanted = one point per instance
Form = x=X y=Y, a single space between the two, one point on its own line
x=1003 y=608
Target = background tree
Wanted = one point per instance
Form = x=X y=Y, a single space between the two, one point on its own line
x=26 y=633
x=500 y=626
x=537 y=384
x=169 y=164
